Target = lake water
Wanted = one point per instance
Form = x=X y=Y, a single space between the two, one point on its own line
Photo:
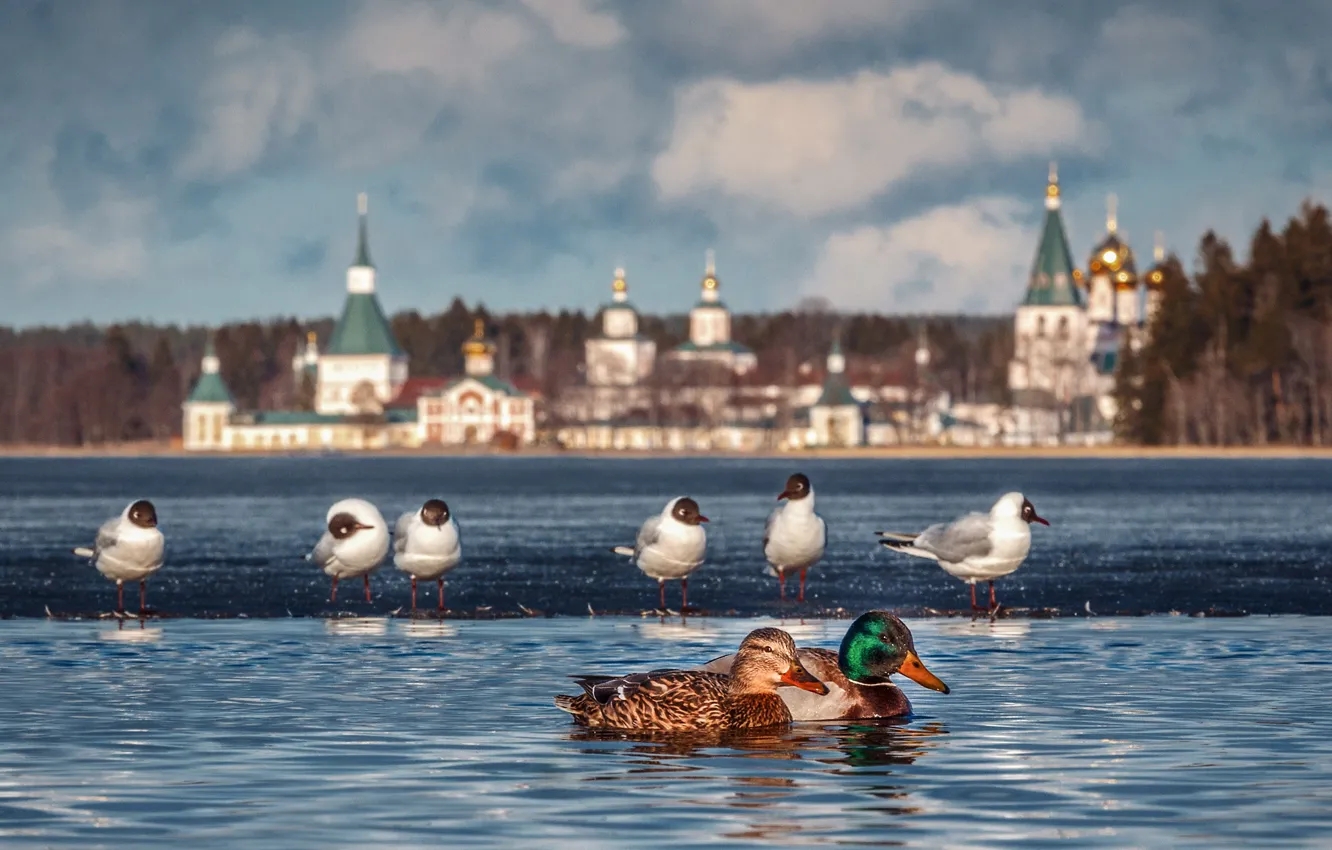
x=1127 y=536
x=294 y=733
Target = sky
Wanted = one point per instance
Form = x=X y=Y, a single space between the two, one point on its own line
x=192 y=161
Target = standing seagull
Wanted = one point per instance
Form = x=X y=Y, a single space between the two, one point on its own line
x=795 y=536
x=426 y=544
x=976 y=547
x=129 y=548
x=670 y=545
x=354 y=545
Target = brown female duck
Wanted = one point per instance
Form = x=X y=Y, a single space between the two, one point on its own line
x=877 y=645
x=690 y=700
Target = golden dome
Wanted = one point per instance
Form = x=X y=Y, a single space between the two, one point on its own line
x=478 y=345
x=1114 y=258
x=619 y=285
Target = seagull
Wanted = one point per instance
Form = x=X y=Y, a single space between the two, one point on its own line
x=670 y=545
x=795 y=536
x=128 y=548
x=426 y=544
x=354 y=545
x=975 y=547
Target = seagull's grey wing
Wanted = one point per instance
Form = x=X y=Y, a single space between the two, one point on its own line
x=107 y=535
x=323 y=550
x=968 y=537
x=647 y=535
x=400 y=533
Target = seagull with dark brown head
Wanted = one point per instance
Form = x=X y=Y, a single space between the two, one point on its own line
x=129 y=547
x=354 y=543
x=795 y=536
x=976 y=547
x=670 y=545
x=427 y=544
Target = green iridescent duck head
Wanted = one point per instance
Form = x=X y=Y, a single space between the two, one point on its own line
x=878 y=645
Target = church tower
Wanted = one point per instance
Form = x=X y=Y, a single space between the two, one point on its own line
x=479 y=353
x=1050 y=326
x=710 y=321
x=208 y=407
x=619 y=356
x=1114 y=276
x=363 y=366
x=1154 y=280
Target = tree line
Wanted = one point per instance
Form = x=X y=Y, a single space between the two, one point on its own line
x=88 y=385
x=1239 y=353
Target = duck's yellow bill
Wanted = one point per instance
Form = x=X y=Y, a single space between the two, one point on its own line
x=914 y=670
x=798 y=677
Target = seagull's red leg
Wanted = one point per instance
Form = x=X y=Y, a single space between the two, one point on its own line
x=661 y=586
x=413 y=594
x=143 y=594
x=333 y=597
x=684 y=593
x=994 y=605
x=802 y=583
x=441 y=595
x=974 y=606
x=367 y=586
x=781 y=582
x=120 y=595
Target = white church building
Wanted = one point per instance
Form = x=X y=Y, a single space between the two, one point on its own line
x=359 y=381
x=1070 y=329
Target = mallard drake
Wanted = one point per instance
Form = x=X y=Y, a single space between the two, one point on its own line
x=690 y=700
x=877 y=645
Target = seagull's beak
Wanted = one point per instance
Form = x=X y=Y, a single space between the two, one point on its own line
x=362 y=526
x=914 y=670
x=1035 y=518
x=798 y=677
x=785 y=494
x=702 y=518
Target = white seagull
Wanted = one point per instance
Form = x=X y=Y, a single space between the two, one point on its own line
x=795 y=536
x=670 y=545
x=129 y=547
x=976 y=547
x=426 y=544
x=354 y=544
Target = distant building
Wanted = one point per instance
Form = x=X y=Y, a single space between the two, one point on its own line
x=360 y=390
x=1069 y=332
x=710 y=330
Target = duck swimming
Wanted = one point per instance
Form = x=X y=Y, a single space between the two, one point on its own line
x=877 y=645
x=693 y=700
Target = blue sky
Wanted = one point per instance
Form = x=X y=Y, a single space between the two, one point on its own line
x=199 y=162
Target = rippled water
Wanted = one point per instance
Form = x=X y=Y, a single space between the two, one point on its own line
x=1127 y=535
x=308 y=733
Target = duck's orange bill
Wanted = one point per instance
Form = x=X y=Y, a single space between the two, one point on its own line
x=798 y=677
x=914 y=670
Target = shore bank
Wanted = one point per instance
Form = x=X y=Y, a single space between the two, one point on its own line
x=122 y=450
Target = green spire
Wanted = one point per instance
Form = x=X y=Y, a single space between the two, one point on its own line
x=362 y=237
x=210 y=388
x=1052 y=282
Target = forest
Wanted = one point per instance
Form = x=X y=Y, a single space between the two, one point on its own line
x=1239 y=353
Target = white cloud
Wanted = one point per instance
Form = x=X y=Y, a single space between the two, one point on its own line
x=105 y=244
x=263 y=93
x=457 y=44
x=575 y=22
x=818 y=147
x=766 y=29
x=968 y=257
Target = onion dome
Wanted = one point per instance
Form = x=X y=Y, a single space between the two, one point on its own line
x=1113 y=257
x=478 y=345
x=1156 y=276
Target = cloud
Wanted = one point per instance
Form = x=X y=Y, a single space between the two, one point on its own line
x=262 y=94
x=575 y=23
x=104 y=244
x=968 y=257
x=818 y=147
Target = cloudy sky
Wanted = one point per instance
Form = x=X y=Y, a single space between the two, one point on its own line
x=198 y=161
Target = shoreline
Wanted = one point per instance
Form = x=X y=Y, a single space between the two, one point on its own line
x=921 y=452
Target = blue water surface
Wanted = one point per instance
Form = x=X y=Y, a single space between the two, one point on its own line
x=294 y=733
x=1126 y=535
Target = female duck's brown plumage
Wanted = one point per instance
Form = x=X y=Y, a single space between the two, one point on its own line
x=687 y=700
x=876 y=645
